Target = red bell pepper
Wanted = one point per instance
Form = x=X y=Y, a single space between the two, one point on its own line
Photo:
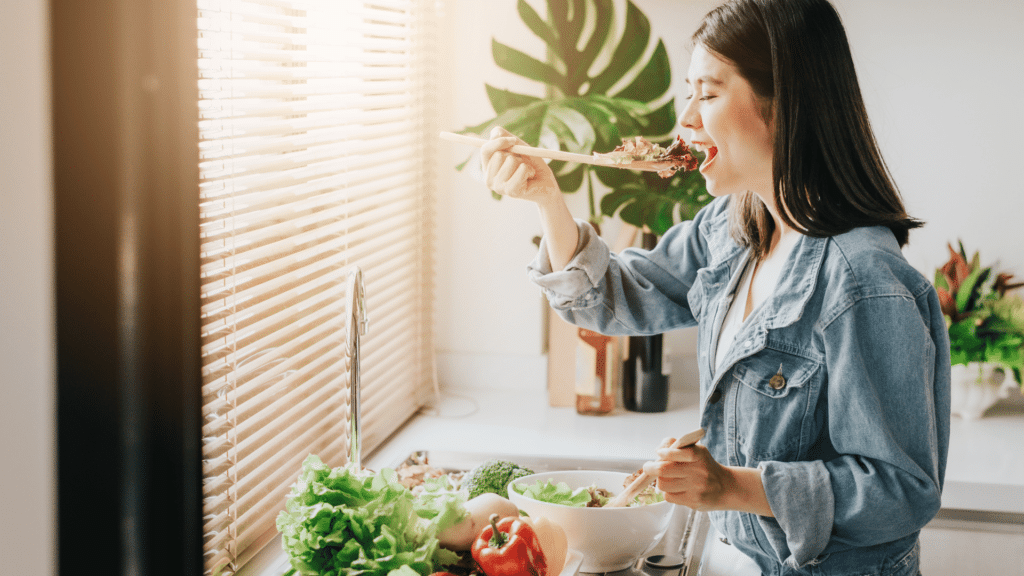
x=509 y=547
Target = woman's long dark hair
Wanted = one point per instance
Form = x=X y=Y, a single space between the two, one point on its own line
x=829 y=176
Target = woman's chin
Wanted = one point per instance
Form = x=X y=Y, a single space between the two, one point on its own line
x=715 y=190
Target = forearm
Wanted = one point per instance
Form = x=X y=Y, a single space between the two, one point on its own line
x=745 y=491
x=560 y=232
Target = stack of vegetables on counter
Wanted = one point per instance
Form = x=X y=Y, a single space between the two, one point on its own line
x=414 y=521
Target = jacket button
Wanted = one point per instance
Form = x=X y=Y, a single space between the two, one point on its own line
x=715 y=396
x=777 y=382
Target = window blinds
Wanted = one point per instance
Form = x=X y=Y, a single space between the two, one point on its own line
x=313 y=116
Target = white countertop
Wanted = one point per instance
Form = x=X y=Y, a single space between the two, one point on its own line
x=985 y=470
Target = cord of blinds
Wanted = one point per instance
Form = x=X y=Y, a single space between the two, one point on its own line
x=313 y=116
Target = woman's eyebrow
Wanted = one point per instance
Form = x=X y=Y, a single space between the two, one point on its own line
x=707 y=80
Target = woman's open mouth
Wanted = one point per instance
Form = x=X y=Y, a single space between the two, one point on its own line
x=710 y=152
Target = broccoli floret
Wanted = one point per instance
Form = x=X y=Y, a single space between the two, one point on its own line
x=493 y=476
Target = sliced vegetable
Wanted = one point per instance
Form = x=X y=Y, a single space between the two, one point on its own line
x=509 y=547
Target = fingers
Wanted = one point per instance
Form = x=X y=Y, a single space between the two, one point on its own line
x=507 y=174
x=499 y=170
x=501 y=139
x=669 y=459
x=492 y=155
x=666 y=468
x=687 y=454
x=519 y=178
x=494 y=149
x=676 y=469
x=495 y=145
x=504 y=173
x=689 y=476
x=506 y=168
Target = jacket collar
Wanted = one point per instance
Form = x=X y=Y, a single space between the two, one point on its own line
x=793 y=291
x=797 y=283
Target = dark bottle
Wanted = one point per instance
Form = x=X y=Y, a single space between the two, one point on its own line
x=644 y=381
x=644 y=373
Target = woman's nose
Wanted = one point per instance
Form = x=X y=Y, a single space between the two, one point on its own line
x=690 y=119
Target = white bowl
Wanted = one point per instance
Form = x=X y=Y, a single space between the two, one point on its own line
x=573 y=559
x=610 y=539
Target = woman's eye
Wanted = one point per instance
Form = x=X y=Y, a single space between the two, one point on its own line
x=707 y=97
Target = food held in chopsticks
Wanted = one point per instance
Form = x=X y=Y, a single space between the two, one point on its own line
x=677 y=156
x=634 y=154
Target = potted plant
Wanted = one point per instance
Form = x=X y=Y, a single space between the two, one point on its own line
x=986 y=331
x=590 y=106
x=599 y=90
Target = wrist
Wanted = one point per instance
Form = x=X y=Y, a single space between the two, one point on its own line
x=746 y=491
x=551 y=200
x=560 y=231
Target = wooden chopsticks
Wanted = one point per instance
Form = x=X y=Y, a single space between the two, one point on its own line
x=647 y=166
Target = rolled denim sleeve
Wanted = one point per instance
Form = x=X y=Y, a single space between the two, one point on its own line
x=575 y=285
x=888 y=426
x=800 y=496
x=636 y=291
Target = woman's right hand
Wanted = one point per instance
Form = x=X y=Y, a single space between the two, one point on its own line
x=530 y=178
x=514 y=175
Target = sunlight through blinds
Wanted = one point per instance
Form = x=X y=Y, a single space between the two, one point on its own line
x=313 y=118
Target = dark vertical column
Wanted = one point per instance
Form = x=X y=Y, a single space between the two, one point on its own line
x=127 y=304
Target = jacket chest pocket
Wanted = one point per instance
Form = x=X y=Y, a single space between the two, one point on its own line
x=774 y=399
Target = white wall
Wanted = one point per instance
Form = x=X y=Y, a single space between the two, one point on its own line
x=27 y=374
x=942 y=80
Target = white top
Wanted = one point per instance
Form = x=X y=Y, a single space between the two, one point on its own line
x=768 y=272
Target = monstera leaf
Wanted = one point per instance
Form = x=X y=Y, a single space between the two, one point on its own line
x=603 y=84
x=646 y=199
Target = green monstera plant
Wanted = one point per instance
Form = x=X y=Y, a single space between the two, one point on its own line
x=602 y=86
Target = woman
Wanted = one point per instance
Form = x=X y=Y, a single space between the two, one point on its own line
x=824 y=357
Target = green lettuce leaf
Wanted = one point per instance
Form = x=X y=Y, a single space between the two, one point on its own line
x=348 y=522
x=548 y=491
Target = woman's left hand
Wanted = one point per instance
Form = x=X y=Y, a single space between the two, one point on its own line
x=691 y=477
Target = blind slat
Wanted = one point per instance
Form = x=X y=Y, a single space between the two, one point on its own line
x=312 y=118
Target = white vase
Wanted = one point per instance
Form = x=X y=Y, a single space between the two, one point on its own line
x=976 y=387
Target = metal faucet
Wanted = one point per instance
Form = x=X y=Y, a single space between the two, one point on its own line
x=356 y=326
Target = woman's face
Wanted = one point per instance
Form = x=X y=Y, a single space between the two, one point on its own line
x=724 y=118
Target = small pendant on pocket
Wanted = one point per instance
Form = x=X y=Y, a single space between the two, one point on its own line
x=778 y=381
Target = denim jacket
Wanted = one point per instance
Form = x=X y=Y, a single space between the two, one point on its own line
x=837 y=387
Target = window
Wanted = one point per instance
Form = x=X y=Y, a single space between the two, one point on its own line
x=313 y=118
